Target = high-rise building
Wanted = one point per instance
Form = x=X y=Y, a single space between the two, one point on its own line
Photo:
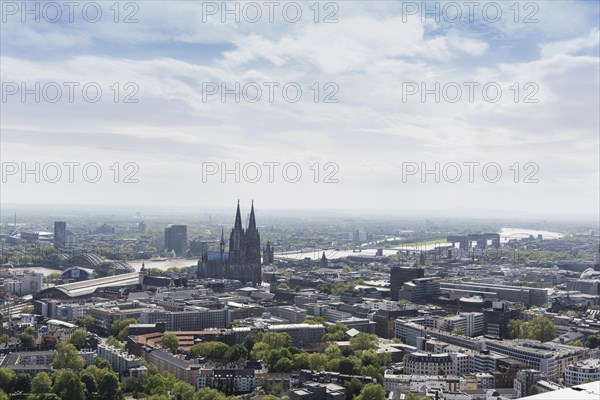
x=242 y=261
x=420 y=289
x=401 y=275
x=496 y=319
x=60 y=234
x=176 y=239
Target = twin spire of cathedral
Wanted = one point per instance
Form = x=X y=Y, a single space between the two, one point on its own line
x=238 y=219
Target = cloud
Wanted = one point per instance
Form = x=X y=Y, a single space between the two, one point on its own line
x=369 y=55
x=590 y=42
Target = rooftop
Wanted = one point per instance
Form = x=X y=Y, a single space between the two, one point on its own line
x=587 y=391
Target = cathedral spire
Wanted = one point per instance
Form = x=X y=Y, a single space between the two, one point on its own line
x=238 y=218
x=222 y=244
x=252 y=221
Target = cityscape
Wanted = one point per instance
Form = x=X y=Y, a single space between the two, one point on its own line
x=300 y=200
x=228 y=308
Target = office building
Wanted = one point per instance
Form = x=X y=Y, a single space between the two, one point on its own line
x=588 y=370
x=193 y=320
x=60 y=234
x=496 y=319
x=420 y=290
x=519 y=294
x=549 y=358
x=400 y=275
x=176 y=239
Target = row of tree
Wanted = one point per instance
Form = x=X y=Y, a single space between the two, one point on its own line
x=540 y=328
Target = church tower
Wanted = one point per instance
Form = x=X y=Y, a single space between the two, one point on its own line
x=142 y=274
x=222 y=243
x=236 y=238
x=268 y=254
x=252 y=240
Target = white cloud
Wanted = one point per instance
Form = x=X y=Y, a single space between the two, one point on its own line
x=369 y=54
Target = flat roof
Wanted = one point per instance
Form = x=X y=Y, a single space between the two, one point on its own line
x=587 y=391
x=87 y=287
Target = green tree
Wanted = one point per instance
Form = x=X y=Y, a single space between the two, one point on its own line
x=541 y=328
x=283 y=365
x=515 y=328
x=50 y=278
x=209 y=394
x=66 y=356
x=335 y=332
x=346 y=366
x=363 y=341
x=371 y=391
x=333 y=364
x=353 y=387
x=183 y=391
x=170 y=341
x=368 y=357
x=96 y=372
x=160 y=383
x=22 y=383
x=314 y=320
x=41 y=383
x=78 y=337
x=45 y=396
x=86 y=322
x=250 y=340
x=592 y=341
x=3 y=395
x=372 y=371
x=120 y=328
x=68 y=386
x=113 y=341
x=333 y=351
x=88 y=378
x=236 y=352
x=457 y=331
x=317 y=361
x=101 y=362
x=110 y=387
x=26 y=340
x=301 y=361
x=7 y=377
x=276 y=340
x=4 y=339
x=216 y=350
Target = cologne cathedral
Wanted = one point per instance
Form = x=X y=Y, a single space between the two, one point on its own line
x=242 y=261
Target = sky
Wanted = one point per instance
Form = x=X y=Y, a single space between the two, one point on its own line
x=489 y=109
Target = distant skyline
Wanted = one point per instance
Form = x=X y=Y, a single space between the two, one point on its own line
x=369 y=56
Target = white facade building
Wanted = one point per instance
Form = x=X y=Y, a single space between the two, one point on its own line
x=575 y=374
